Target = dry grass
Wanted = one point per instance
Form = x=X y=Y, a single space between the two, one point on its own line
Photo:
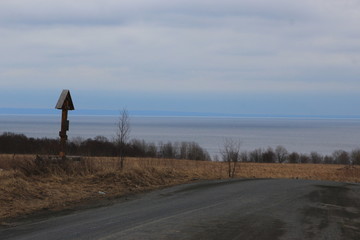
x=339 y=173
x=28 y=186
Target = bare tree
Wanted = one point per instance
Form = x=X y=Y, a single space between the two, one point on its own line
x=256 y=155
x=316 y=157
x=123 y=134
x=244 y=156
x=294 y=157
x=355 y=156
x=231 y=154
x=281 y=154
x=304 y=158
x=269 y=155
x=329 y=159
x=341 y=157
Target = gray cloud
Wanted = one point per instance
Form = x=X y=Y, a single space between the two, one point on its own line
x=229 y=46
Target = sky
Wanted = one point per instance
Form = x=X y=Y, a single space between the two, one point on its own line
x=275 y=57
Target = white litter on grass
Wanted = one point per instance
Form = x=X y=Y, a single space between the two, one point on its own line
x=102 y=193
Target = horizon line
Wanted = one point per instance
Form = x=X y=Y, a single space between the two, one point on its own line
x=164 y=113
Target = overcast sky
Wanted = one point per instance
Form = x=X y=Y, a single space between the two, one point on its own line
x=229 y=56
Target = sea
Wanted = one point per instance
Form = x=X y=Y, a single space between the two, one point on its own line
x=299 y=134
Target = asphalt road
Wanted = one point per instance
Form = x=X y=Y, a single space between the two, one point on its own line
x=237 y=209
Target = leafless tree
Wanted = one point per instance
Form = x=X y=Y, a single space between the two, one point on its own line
x=269 y=155
x=123 y=134
x=355 y=156
x=294 y=157
x=341 y=157
x=304 y=158
x=231 y=154
x=329 y=159
x=316 y=157
x=281 y=154
x=244 y=156
x=256 y=155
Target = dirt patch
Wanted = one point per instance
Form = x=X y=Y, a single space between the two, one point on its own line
x=335 y=208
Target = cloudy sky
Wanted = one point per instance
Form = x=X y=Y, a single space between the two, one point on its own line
x=229 y=56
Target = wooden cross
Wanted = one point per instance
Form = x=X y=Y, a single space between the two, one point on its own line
x=64 y=103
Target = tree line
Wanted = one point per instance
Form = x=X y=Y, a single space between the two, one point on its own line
x=281 y=155
x=13 y=143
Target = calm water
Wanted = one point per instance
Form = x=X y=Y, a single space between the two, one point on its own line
x=301 y=135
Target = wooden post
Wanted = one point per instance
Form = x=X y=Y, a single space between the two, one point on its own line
x=64 y=103
x=62 y=133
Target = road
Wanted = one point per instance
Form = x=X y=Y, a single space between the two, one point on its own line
x=221 y=209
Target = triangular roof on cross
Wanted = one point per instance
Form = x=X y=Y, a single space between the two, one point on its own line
x=65 y=101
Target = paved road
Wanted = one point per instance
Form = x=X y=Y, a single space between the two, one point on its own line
x=237 y=209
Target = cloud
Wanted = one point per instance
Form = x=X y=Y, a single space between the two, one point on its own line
x=179 y=46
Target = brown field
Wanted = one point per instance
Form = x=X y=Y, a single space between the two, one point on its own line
x=27 y=187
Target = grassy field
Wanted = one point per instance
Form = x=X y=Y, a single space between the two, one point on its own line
x=28 y=186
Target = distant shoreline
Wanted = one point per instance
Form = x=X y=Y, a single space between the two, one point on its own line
x=140 y=113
